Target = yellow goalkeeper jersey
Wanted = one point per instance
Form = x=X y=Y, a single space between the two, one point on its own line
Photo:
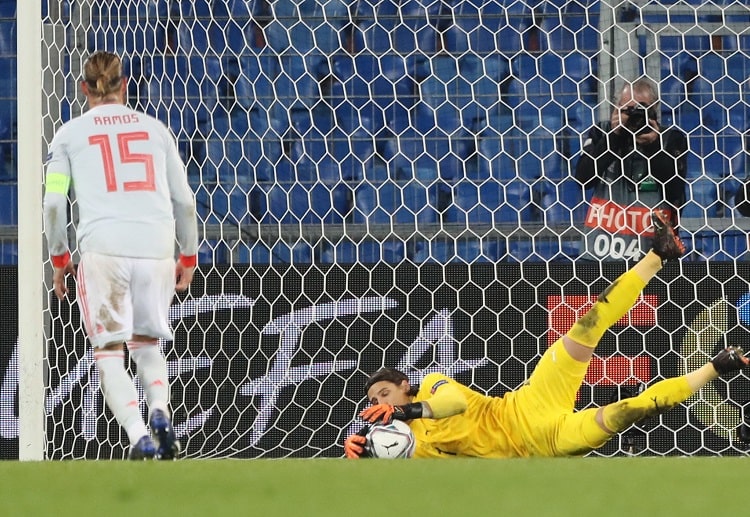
x=478 y=431
x=538 y=419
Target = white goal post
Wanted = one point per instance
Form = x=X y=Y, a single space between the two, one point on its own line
x=386 y=182
x=31 y=263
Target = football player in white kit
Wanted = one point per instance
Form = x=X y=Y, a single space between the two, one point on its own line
x=134 y=201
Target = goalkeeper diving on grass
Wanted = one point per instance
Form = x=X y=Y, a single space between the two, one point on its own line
x=449 y=419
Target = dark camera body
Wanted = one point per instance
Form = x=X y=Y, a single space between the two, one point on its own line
x=637 y=120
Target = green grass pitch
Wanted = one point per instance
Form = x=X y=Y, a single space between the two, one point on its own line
x=540 y=487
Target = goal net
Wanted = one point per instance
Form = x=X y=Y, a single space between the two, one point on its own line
x=385 y=182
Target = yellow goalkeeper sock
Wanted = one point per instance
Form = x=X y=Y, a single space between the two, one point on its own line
x=612 y=305
x=657 y=399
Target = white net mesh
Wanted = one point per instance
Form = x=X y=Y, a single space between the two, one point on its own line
x=393 y=183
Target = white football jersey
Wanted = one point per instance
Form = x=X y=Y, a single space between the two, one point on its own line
x=130 y=185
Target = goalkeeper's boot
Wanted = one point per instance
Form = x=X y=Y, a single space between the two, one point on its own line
x=666 y=243
x=143 y=449
x=167 y=445
x=731 y=359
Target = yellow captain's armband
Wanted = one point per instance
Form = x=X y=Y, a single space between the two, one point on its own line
x=58 y=183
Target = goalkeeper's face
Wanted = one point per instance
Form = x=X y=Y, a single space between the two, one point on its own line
x=387 y=392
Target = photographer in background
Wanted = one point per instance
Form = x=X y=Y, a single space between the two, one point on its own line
x=634 y=166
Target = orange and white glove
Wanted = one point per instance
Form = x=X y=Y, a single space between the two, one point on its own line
x=382 y=412
x=354 y=446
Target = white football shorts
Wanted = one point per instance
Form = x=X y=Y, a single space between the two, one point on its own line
x=122 y=296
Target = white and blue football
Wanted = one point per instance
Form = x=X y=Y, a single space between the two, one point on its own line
x=390 y=441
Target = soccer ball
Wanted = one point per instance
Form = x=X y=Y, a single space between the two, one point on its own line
x=390 y=441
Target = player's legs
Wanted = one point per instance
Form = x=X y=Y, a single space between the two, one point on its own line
x=103 y=283
x=582 y=339
x=553 y=385
x=104 y=297
x=153 y=289
x=584 y=431
x=666 y=394
x=616 y=300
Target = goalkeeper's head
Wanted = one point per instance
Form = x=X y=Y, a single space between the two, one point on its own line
x=389 y=386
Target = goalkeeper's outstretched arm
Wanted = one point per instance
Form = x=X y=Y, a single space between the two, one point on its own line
x=446 y=401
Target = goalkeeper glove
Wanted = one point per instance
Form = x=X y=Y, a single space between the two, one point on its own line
x=388 y=412
x=354 y=446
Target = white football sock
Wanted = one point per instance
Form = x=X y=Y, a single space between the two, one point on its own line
x=120 y=394
x=152 y=370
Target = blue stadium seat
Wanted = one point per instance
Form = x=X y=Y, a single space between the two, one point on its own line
x=8 y=115
x=390 y=202
x=280 y=253
x=395 y=77
x=556 y=35
x=735 y=244
x=196 y=8
x=9 y=253
x=466 y=33
x=537 y=156
x=305 y=26
x=9 y=210
x=555 y=249
x=521 y=249
x=230 y=205
x=517 y=207
x=254 y=85
x=240 y=10
x=375 y=28
x=295 y=87
x=703 y=199
x=717 y=156
x=329 y=204
x=483 y=78
x=554 y=210
x=212 y=251
x=711 y=67
x=360 y=93
x=673 y=92
x=571 y=194
x=367 y=251
x=119 y=27
x=195 y=36
x=354 y=155
x=387 y=25
x=234 y=156
x=557 y=212
x=706 y=245
x=234 y=36
x=438 y=249
x=738 y=66
x=494 y=160
x=288 y=203
x=375 y=204
x=8 y=9
x=485 y=249
x=474 y=202
x=414 y=33
x=531 y=94
x=730 y=143
x=426 y=156
x=486 y=27
x=181 y=91
x=7 y=38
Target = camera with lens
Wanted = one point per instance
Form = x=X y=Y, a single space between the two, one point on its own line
x=637 y=120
